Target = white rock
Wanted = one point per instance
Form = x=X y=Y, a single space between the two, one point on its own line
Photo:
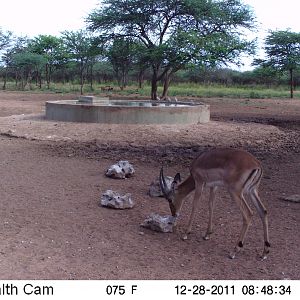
x=113 y=199
x=121 y=170
x=159 y=223
x=116 y=172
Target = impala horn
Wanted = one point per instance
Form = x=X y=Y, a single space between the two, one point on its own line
x=163 y=184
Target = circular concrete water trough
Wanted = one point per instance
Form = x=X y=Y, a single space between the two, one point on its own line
x=93 y=110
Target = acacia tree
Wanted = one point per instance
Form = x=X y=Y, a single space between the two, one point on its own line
x=81 y=47
x=121 y=55
x=283 y=53
x=49 y=46
x=5 y=39
x=5 y=44
x=18 y=45
x=176 y=32
x=25 y=64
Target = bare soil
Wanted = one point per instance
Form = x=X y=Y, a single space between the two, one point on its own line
x=52 y=178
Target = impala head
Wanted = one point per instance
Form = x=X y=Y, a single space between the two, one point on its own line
x=169 y=193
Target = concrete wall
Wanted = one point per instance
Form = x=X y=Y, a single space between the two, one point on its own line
x=68 y=110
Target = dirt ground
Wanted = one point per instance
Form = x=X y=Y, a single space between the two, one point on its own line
x=52 y=178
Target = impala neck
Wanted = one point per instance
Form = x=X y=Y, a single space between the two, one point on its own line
x=182 y=191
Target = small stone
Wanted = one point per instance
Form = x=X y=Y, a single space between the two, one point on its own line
x=159 y=223
x=113 y=199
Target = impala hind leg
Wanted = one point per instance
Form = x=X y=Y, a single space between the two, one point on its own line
x=211 y=203
x=197 y=197
x=262 y=211
x=247 y=215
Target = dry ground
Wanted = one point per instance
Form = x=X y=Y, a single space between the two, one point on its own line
x=52 y=177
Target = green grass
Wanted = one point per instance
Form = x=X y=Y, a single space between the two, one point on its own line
x=219 y=91
x=175 y=90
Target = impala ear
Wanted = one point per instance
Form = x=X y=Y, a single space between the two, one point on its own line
x=177 y=178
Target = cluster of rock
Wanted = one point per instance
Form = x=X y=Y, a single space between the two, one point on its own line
x=112 y=199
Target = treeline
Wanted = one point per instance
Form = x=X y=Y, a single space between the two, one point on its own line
x=75 y=57
x=155 y=41
x=258 y=76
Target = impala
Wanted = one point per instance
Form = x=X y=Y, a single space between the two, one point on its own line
x=236 y=170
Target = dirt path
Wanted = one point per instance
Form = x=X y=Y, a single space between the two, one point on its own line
x=52 y=179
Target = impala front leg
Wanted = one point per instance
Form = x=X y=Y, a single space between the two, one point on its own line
x=197 y=197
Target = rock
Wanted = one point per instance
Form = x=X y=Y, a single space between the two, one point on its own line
x=154 y=189
x=291 y=198
x=159 y=223
x=113 y=199
x=116 y=172
x=121 y=170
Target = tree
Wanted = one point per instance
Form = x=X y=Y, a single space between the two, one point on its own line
x=5 y=39
x=121 y=55
x=176 y=32
x=48 y=46
x=17 y=45
x=283 y=53
x=5 y=44
x=25 y=64
x=82 y=48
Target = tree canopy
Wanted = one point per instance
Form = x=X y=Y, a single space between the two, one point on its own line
x=175 y=33
x=283 y=53
x=5 y=38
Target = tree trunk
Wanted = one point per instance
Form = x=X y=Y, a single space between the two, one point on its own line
x=141 y=78
x=40 y=80
x=81 y=77
x=16 y=79
x=29 y=79
x=154 y=89
x=292 y=83
x=47 y=76
x=92 y=77
x=166 y=86
x=5 y=80
x=64 y=75
x=124 y=79
x=154 y=85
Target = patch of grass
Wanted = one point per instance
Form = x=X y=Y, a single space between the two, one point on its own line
x=208 y=91
x=175 y=90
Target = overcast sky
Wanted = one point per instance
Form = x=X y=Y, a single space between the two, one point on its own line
x=34 y=17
